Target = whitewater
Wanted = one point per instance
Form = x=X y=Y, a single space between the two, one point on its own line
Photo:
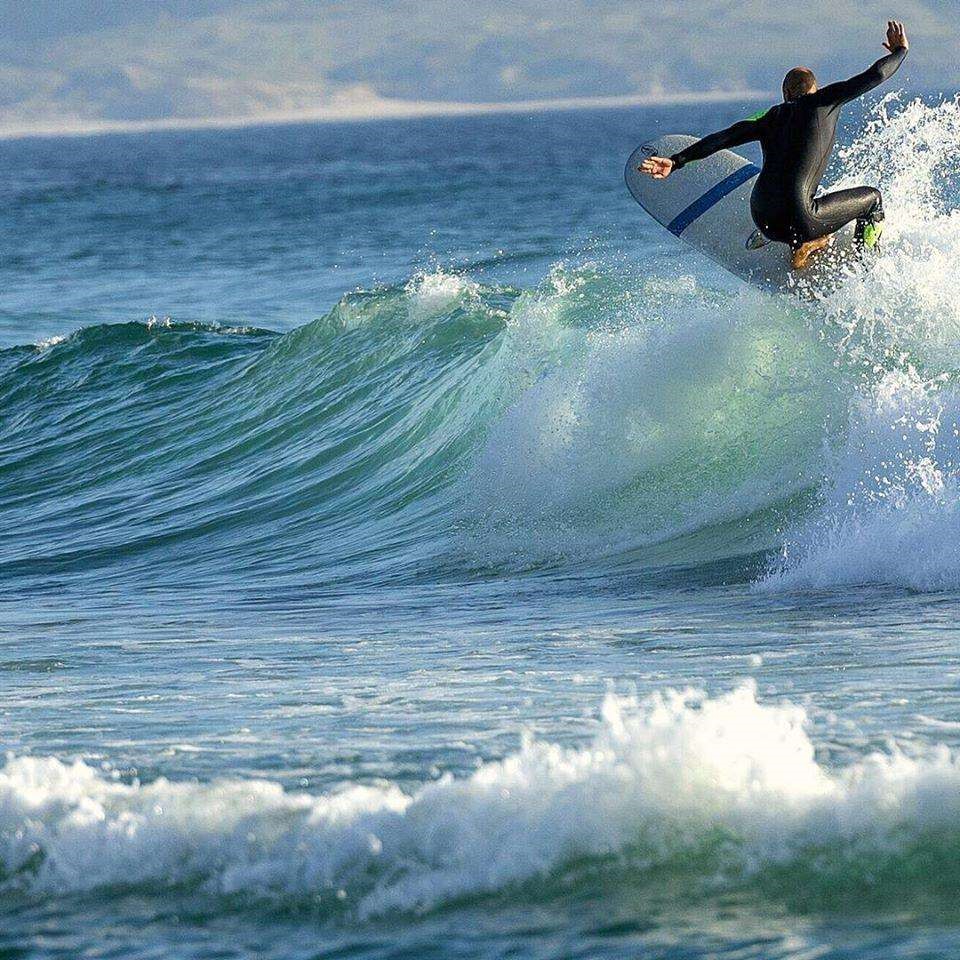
x=424 y=556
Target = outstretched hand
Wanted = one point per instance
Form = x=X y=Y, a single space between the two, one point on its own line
x=657 y=167
x=896 y=36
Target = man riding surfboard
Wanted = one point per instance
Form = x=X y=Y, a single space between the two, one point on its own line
x=797 y=138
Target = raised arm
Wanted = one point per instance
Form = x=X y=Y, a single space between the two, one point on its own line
x=837 y=94
x=741 y=132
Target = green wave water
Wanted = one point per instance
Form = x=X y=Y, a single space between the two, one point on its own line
x=430 y=430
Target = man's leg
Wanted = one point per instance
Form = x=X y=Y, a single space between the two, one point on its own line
x=832 y=212
x=863 y=204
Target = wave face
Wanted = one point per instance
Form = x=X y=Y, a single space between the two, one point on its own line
x=676 y=791
x=445 y=427
x=431 y=429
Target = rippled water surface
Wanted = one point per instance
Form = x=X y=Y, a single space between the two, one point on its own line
x=409 y=549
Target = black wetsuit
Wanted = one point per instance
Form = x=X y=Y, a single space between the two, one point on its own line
x=797 y=137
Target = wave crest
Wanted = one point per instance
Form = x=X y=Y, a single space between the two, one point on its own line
x=718 y=793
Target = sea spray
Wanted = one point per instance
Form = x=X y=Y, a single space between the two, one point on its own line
x=890 y=509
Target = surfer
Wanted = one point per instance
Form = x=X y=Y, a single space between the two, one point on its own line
x=797 y=137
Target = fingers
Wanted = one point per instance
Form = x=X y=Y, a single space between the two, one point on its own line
x=896 y=35
x=656 y=167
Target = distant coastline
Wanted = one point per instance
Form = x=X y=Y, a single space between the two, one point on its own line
x=366 y=110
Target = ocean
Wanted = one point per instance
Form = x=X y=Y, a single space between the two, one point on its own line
x=409 y=549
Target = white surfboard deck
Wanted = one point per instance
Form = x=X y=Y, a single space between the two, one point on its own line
x=707 y=204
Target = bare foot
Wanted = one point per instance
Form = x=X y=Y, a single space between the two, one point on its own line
x=801 y=256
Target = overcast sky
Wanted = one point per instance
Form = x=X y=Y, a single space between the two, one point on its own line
x=27 y=20
x=74 y=61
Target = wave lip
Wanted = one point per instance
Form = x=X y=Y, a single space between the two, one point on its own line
x=716 y=793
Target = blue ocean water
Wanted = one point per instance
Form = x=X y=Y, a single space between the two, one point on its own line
x=409 y=549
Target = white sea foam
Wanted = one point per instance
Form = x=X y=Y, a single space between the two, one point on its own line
x=660 y=779
x=891 y=511
x=891 y=492
x=429 y=294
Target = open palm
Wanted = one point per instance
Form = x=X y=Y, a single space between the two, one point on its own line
x=896 y=36
x=656 y=167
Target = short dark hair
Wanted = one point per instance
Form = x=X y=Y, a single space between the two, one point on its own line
x=797 y=82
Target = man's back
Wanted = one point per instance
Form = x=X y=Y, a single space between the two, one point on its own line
x=797 y=137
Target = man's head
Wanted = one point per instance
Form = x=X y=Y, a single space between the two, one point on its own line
x=798 y=82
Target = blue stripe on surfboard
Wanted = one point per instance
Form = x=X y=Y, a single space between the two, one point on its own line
x=712 y=197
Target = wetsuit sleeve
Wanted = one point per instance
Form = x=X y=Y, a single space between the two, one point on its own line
x=742 y=132
x=836 y=94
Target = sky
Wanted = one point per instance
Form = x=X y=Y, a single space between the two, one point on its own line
x=75 y=63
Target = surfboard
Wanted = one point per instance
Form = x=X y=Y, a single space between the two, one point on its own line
x=707 y=205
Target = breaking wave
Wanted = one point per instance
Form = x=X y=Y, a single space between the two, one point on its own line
x=447 y=427
x=714 y=794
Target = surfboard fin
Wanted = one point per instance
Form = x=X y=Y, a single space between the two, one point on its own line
x=757 y=240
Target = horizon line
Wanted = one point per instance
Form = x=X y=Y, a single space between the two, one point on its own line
x=372 y=110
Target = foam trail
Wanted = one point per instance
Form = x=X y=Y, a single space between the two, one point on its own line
x=660 y=781
x=892 y=511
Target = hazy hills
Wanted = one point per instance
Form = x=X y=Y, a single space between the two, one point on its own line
x=75 y=61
